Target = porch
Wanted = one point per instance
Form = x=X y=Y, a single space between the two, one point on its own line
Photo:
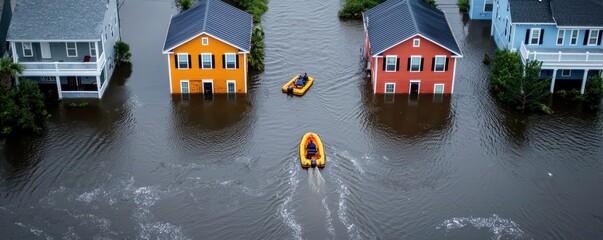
x=566 y=58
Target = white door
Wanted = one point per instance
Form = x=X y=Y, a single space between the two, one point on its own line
x=45 y=49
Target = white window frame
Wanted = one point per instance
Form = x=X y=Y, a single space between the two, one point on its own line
x=435 y=87
x=393 y=88
x=574 y=39
x=435 y=64
x=204 y=41
x=30 y=49
x=188 y=86
x=486 y=3
x=416 y=42
x=92 y=46
x=413 y=57
x=188 y=64
x=74 y=48
x=48 y=79
x=234 y=88
x=560 y=34
x=234 y=63
x=532 y=31
x=566 y=75
x=410 y=86
x=203 y=61
x=395 y=57
x=591 y=37
x=203 y=86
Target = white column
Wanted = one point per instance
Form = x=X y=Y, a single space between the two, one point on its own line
x=14 y=50
x=553 y=80
x=170 y=72
x=584 y=81
x=453 y=76
x=98 y=86
x=376 y=69
x=244 y=69
x=59 y=90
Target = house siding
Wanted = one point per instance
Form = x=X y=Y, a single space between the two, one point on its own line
x=58 y=52
x=428 y=78
x=219 y=75
x=476 y=10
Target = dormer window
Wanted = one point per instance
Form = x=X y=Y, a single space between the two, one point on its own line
x=416 y=42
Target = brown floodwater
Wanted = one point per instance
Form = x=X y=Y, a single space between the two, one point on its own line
x=143 y=164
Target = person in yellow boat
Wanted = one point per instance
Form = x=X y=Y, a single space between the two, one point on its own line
x=312 y=149
x=300 y=81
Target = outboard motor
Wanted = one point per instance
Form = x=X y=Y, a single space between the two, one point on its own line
x=290 y=90
x=313 y=163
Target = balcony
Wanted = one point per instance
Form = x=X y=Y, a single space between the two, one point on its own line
x=48 y=68
x=564 y=58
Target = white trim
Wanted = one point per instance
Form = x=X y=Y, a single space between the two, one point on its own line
x=188 y=40
x=574 y=27
x=170 y=71
x=203 y=85
x=566 y=75
x=245 y=69
x=74 y=48
x=395 y=62
x=385 y=88
x=235 y=86
x=453 y=77
x=376 y=71
x=532 y=30
x=410 y=86
x=415 y=56
x=590 y=35
x=90 y=49
x=211 y=64
x=529 y=23
x=562 y=37
x=30 y=49
x=188 y=65
x=226 y=61
x=438 y=84
x=577 y=31
x=435 y=66
x=14 y=51
x=59 y=89
x=434 y=42
x=416 y=42
x=513 y=30
x=188 y=86
x=98 y=85
x=484 y=7
x=204 y=41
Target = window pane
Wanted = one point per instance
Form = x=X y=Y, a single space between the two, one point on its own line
x=230 y=61
x=439 y=88
x=440 y=63
x=231 y=87
x=415 y=64
x=560 y=35
x=391 y=64
x=184 y=86
x=594 y=34
x=206 y=58
x=389 y=88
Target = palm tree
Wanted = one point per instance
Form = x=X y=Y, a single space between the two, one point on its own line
x=8 y=70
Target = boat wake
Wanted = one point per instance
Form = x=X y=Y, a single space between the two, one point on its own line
x=500 y=227
x=316 y=181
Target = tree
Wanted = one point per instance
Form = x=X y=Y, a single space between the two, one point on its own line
x=519 y=85
x=22 y=109
x=256 y=57
x=185 y=4
x=431 y=3
x=463 y=5
x=8 y=70
x=594 y=91
x=122 y=52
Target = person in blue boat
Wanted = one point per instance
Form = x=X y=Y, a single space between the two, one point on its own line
x=312 y=149
x=300 y=81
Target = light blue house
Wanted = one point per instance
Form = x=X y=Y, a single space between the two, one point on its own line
x=565 y=35
x=66 y=46
x=481 y=9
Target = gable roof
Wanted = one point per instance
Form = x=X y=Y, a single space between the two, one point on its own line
x=57 y=20
x=531 y=11
x=214 y=17
x=394 y=21
x=578 y=13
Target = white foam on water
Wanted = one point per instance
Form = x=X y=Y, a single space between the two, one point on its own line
x=158 y=230
x=347 y=156
x=34 y=231
x=342 y=212
x=498 y=226
x=316 y=181
x=146 y=196
x=88 y=197
x=328 y=217
x=285 y=210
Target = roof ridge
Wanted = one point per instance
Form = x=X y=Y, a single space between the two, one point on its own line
x=412 y=15
x=205 y=17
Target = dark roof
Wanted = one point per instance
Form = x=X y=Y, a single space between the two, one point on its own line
x=394 y=21
x=531 y=11
x=578 y=13
x=57 y=20
x=215 y=18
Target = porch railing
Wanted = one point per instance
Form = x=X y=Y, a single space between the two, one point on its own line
x=560 y=57
x=65 y=66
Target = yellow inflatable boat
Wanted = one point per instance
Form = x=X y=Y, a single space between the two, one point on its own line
x=318 y=157
x=291 y=88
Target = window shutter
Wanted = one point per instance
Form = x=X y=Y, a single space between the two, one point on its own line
x=397 y=64
x=422 y=60
x=600 y=35
x=384 y=63
x=433 y=64
x=527 y=36
x=176 y=60
x=223 y=61
x=586 y=36
x=213 y=61
x=446 y=69
x=189 y=61
x=200 y=62
x=541 y=36
x=237 y=62
x=408 y=65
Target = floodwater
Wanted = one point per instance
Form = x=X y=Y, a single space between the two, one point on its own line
x=142 y=164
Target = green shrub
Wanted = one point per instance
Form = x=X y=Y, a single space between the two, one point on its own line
x=254 y=7
x=463 y=5
x=184 y=4
x=22 y=109
x=122 y=52
x=256 y=57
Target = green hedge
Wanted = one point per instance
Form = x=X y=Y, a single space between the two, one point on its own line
x=22 y=109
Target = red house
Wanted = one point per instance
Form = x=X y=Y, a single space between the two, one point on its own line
x=410 y=48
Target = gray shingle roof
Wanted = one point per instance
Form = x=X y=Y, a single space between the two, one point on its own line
x=531 y=11
x=393 y=21
x=213 y=17
x=578 y=13
x=57 y=20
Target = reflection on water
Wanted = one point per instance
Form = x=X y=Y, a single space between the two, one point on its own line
x=209 y=112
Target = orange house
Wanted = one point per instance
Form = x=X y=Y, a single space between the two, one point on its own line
x=207 y=47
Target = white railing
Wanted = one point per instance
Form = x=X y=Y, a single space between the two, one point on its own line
x=561 y=57
x=65 y=66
